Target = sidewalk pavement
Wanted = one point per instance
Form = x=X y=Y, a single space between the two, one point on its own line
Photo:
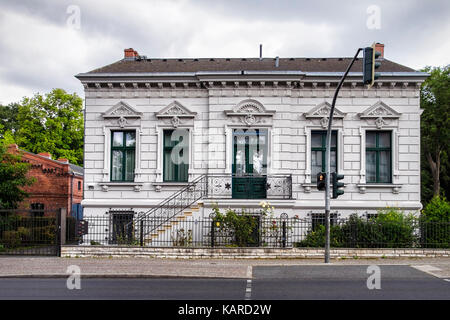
x=204 y=268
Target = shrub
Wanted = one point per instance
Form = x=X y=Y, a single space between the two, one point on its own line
x=241 y=228
x=11 y=239
x=435 y=224
x=390 y=229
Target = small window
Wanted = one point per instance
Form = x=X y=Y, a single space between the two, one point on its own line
x=37 y=210
x=79 y=185
x=122 y=227
x=123 y=145
x=378 y=157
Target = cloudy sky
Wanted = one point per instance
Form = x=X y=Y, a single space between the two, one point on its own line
x=44 y=43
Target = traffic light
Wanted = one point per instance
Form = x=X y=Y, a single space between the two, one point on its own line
x=321 y=177
x=370 y=64
x=337 y=191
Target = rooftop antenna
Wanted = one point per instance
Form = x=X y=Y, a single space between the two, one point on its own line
x=260 y=52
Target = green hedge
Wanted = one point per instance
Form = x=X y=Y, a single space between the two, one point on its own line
x=435 y=224
x=390 y=229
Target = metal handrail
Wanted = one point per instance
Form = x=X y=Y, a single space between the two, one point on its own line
x=167 y=203
x=165 y=211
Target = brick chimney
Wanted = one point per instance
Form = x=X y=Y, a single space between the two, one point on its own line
x=45 y=155
x=13 y=147
x=130 y=54
x=63 y=160
x=380 y=48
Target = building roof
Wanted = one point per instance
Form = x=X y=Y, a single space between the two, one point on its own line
x=328 y=65
x=77 y=170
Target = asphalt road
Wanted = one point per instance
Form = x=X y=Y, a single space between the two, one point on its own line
x=266 y=283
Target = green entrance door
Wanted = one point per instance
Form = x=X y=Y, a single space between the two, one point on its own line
x=250 y=164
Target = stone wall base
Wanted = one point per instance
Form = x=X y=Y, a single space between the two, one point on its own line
x=245 y=253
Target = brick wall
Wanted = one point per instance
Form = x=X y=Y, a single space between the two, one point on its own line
x=53 y=182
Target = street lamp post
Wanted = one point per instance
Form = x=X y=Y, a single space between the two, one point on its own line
x=327 y=161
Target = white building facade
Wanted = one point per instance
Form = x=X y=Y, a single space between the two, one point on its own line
x=254 y=129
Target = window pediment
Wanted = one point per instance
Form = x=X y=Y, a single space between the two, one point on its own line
x=122 y=109
x=250 y=112
x=175 y=114
x=175 y=109
x=323 y=110
x=379 y=109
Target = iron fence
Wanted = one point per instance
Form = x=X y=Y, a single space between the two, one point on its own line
x=263 y=231
x=29 y=232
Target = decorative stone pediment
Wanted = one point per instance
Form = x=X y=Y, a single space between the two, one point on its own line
x=250 y=112
x=122 y=109
x=323 y=110
x=380 y=109
x=175 y=114
x=175 y=109
x=123 y=113
x=380 y=114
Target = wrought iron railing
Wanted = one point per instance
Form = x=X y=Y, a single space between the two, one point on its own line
x=277 y=186
x=211 y=186
x=164 y=212
x=282 y=231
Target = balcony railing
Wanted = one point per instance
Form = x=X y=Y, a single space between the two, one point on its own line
x=220 y=186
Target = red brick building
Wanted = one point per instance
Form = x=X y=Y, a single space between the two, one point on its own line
x=59 y=184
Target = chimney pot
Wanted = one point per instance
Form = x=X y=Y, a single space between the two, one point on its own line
x=45 y=155
x=130 y=53
x=380 y=48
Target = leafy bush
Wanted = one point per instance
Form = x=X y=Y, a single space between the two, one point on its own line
x=241 y=229
x=11 y=239
x=435 y=224
x=390 y=229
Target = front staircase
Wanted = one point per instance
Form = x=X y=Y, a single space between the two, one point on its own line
x=155 y=226
x=163 y=235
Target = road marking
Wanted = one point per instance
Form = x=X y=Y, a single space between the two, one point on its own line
x=248 y=289
x=448 y=280
x=428 y=269
x=249 y=272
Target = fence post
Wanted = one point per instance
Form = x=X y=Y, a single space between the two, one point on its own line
x=212 y=233
x=141 y=233
x=60 y=230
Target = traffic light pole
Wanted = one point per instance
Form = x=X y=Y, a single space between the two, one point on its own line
x=327 y=161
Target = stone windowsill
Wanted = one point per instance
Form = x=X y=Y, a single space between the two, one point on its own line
x=363 y=186
x=136 y=185
x=159 y=185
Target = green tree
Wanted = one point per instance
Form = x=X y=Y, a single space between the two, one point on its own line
x=13 y=176
x=435 y=131
x=52 y=123
x=8 y=118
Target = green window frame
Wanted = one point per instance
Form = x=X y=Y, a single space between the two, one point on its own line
x=318 y=150
x=378 y=156
x=175 y=170
x=123 y=155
